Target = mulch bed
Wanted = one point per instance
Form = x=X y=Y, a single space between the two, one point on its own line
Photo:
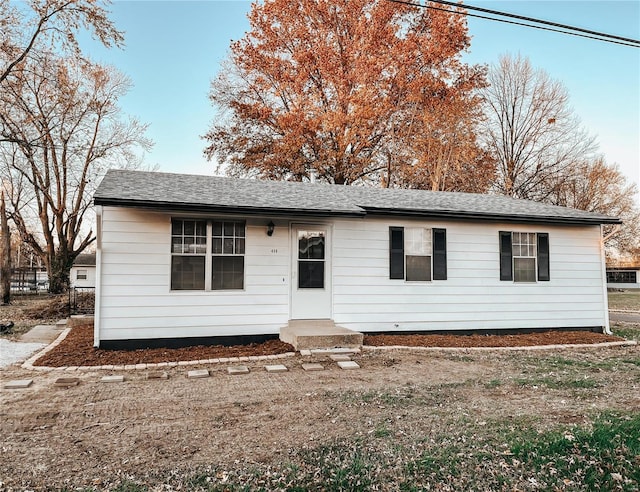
x=77 y=348
x=520 y=340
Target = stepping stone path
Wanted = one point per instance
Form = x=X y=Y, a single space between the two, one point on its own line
x=339 y=357
x=112 y=379
x=18 y=384
x=348 y=364
x=336 y=350
x=67 y=382
x=198 y=373
x=158 y=375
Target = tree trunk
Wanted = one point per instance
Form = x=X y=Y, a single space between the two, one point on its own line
x=5 y=255
x=58 y=270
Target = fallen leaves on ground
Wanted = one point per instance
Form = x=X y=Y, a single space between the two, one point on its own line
x=77 y=348
x=552 y=337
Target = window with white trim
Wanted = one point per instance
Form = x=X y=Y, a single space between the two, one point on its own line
x=188 y=254
x=524 y=256
x=417 y=244
x=417 y=254
x=207 y=255
x=227 y=265
x=81 y=275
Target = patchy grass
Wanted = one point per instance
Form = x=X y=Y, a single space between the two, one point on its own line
x=603 y=457
x=577 y=372
x=561 y=367
x=402 y=396
x=630 y=331
x=628 y=300
x=558 y=383
x=635 y=362
x=393 y=397
x=505 y=455
x=382 y=431
x=494 y=383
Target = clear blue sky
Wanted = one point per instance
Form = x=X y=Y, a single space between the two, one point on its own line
x=174 y=49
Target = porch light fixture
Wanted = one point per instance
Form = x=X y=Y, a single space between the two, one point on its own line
x=270 y=228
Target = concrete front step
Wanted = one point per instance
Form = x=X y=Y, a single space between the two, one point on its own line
x=319 y=334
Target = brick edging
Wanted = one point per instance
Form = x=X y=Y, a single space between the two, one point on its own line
x=28 y=364
x=626 y=343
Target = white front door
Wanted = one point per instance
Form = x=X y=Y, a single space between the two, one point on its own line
x=311 y=272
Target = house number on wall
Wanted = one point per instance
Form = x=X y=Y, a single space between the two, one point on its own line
x=274 y=251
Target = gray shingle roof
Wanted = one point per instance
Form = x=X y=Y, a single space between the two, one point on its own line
x=181 y=192
x=85 y=259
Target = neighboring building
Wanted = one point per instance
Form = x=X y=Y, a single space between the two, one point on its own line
x=83 y=271
x=197 y=257
x=623 y=276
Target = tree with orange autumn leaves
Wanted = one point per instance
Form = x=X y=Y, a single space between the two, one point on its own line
x=351 y=91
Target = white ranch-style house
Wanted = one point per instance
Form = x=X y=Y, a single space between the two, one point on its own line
x=191 y=259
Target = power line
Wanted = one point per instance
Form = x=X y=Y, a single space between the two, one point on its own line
x=562 y=28
x=538 y=21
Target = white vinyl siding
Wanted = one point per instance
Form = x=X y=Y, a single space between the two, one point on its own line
x=136 y=297
x=83 y=276
x=473 y=297
x=136 y=300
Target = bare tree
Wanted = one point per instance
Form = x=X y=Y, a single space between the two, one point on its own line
x=595 y=186
x=530 y=129
x=440 y=151
x=5 y=254
x=67 y=131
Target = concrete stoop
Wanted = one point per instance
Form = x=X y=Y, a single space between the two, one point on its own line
x=319 y=334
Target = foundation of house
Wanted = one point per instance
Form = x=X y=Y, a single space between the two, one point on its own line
x=319 y=334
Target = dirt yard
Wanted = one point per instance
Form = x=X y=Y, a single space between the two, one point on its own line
x=403 y=421
x=204 y=434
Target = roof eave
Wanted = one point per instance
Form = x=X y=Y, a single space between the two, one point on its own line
x=221 y=209
x=475 y=216
x=302 y=212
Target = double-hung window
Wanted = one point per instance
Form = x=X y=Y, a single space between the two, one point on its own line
x=417 y=254
x=188 y=254
x=524 y=256
x=227 y=263
x=207 y=255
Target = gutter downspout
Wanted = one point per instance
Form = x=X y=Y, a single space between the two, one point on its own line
x=98 y=289
x=603 y=239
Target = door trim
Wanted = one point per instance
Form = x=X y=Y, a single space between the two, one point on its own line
x=293 y=267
